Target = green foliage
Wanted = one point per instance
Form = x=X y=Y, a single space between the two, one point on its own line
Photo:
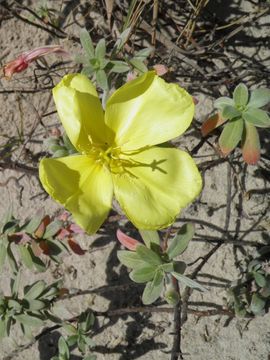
x=100 y=64
x=35 y=241
x=60 y=146
x=154 y=266
x=78 y=336
x=243 y=113
x=251 y=294
x=30 y=310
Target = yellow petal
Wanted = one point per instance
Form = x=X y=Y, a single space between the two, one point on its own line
x=80 y=111
x=156 y=185
x=148 y=111
x=81 y=185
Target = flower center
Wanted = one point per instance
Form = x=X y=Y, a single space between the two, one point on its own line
x=109 y=157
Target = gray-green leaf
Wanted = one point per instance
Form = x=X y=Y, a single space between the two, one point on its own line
x=35 y=290
x=87 y=43
x=221 y=102
x=259 y=98
x=240 y=95
x=257 y=117
x=101 y=79
x=143 y=274
x=180 y=242
x=119 y=66
x=100 y=49
x=230 y=112
x=257 y=304
x=188 y=282
x=130 y=259
x=153 y=289
x=147 y=255
x=138 y=65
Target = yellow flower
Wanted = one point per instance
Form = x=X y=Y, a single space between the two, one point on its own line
x=118 y=152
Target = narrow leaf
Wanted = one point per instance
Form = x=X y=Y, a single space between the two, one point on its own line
x=123 y=38
x=180 y=242
x=240 y=95
x=212 y=123
x=33 y=224
x=231 y=135
x=101 y=79
x=257 y=117
x=119 y=66
x=188 y=282
x=52 y=229
x=35 y=290
x=29 y=320
x=87 y=44
x=259 y=98
x=138 y=65
x=153 y=289
x=26 y=256
x=75 y=247
x=3 y=253
x=100 y=49
x=143 y=53
x=251 y=146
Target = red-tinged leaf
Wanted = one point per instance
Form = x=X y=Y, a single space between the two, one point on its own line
x=76 y=229
x=45 y=247
x=36 y=248
x=63 y=233
x=20 y=238
x=63 y=292
x=231 y=135
x=42 y=227
x=127 y=241
x=64 y=216
x=75 y=247
x=195 y=100
x=212 y=123
x=251 y=146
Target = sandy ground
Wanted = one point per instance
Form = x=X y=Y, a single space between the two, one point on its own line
x=142 y=336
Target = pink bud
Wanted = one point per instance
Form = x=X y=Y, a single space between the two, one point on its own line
x=127 y=241
x=160 y=69
x=22 y=61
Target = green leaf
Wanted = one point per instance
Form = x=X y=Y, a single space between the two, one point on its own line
x=52 y=229
x=167 y=267
x=13 y=304
x=26 y=256
x=257 y=117
x=143 y=53
x=29 y=320
x=2 y=328
x=129 y=258
x=34 y=291
x=72 y=340
x=259 y=98
x=187 y=281
x=260 y=279
x=119 y=66
x=87 y=44
x=257 y=304
x=240 y=95
x=34 y=223
x=101 y=79
x=63 y=347
x=150 y=236
x=143 y=274
x=100 y=49
x=70 y=329
x=231 y=135
x=90 y=357
x=38 y=263
x=86 y=321
x=88 y=71
x=122 y=40
x=180 y=242
x=12 y=260
x=60 y=153
x=230 y=112
x=154 y=288
x=3 y=253
x=138 y=65
x=147 y=255
x=36 y=305
x=15 y=284
x=223 y=101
